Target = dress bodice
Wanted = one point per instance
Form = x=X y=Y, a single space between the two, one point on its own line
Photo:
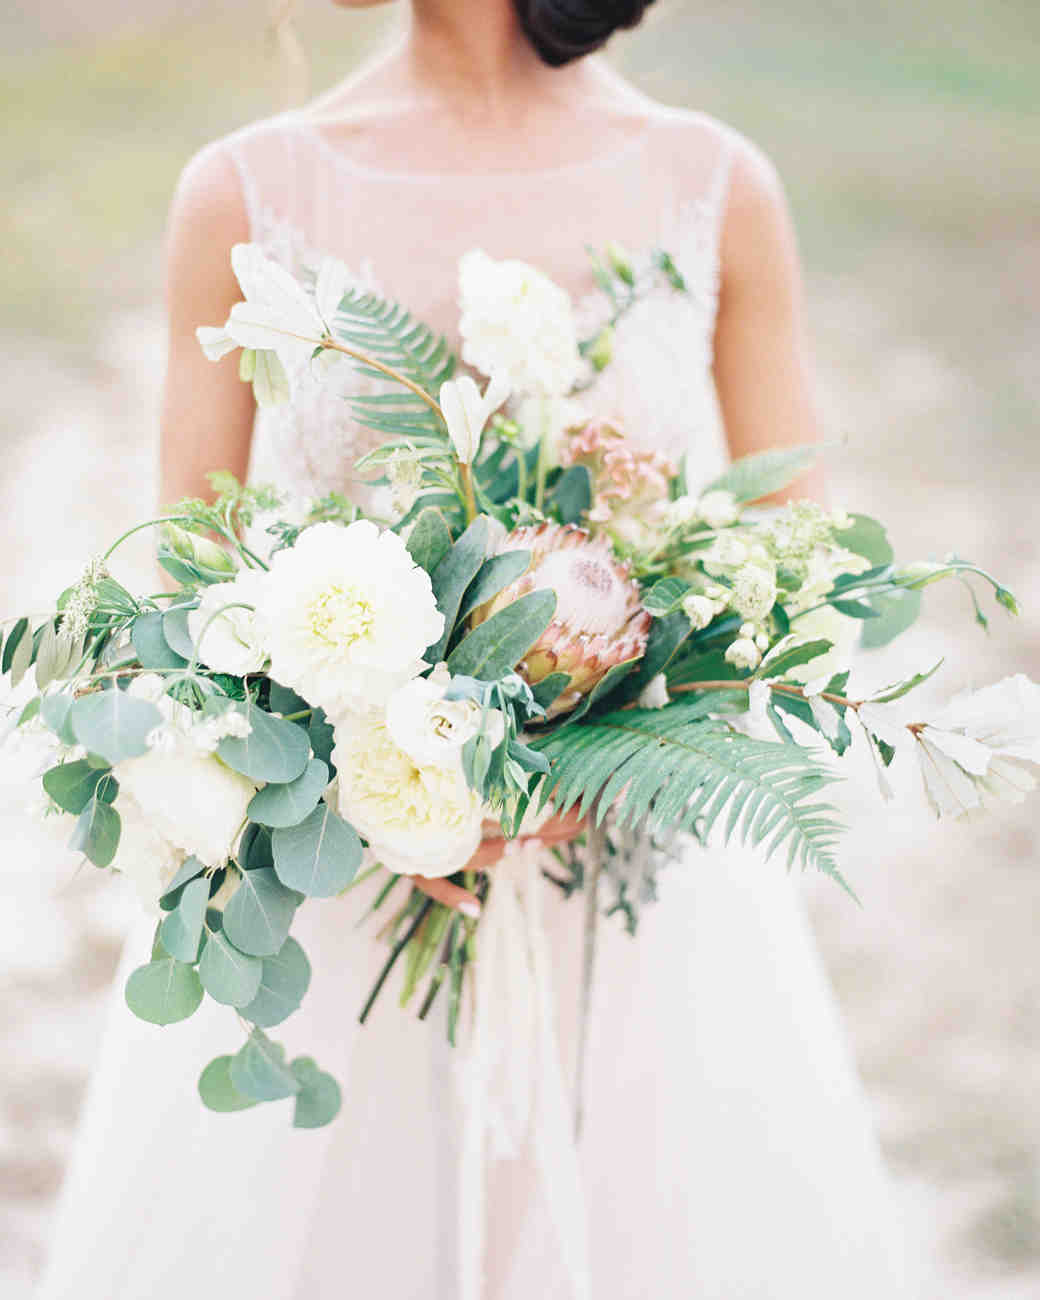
x=403 y=233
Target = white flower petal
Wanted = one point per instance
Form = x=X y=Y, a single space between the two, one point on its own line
x=950 y=790
x=215 y=340
x=966 y=753
x=333 y=279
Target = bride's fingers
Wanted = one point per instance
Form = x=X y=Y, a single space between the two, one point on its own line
x=453 y=896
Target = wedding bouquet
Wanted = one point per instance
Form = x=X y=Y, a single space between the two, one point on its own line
x=534 y=615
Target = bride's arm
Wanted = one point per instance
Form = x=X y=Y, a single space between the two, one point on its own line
x=762 y=364
x=207 y=413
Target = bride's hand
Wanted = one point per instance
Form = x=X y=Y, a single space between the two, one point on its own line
x=557 y=830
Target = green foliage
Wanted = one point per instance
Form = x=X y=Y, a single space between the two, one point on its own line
x=868 y=538
x=259 y=913
x=897 y=611
x=258 y=1070
x=113 y=724
x=164 y=991
x=898 y=689
x=319 y=857
x=72 y=785
x=765 y=472
x=14 y=640
x=190 y=868
x=218 y=1092
x=285 y=979
x=54 y=712
x=451 y=578
x=494 y=575
x=227 y=975
x=181 y=930
x=793 y=657
x=153 y=650
x=679 y=767
x=97 y=831
x=176 y=632
x=274 y=751
x=551 y=688
x=289 y=803
x=319 y=1098
x=388 y=333
x=493 y=649
x=430 y=539
x=666 y=638
x=571 y=494
x=664 y=597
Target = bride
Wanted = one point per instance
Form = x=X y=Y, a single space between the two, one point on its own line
x=727 y=1151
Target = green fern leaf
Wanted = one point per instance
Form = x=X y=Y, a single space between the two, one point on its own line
x=680 y=767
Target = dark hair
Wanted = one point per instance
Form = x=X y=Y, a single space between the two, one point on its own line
x=562 y=30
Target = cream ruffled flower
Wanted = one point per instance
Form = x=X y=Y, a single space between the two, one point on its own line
x=517 y=324
x=417 y=819
x=432 y=729
x=346 y=616
x=228 y=640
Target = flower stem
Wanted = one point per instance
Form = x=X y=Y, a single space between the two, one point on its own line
x=595 y=851
x=389 y=371
x=470 y=500
x=396 y=951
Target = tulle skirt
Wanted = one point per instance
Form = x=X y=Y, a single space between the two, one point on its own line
x=727 y=1151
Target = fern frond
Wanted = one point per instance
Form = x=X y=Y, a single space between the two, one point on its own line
x=391 y=334
x=680 y=768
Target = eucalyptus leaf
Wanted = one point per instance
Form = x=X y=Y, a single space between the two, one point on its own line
x=227 y=975
x=72 y=785
x=868 y=538
x=289 y=804
x=319 y=857
x=430 y=539
x=855 y=608
x=765 y=472
x=149 y=641
x=189 y=869
x=49 y=657
x=451 y=578
x=164 y=991
x=495 y=575
x=494 y=648
x=259 y=1071
x=97 y=832
x=319 y=1099
x=54 y=710
x=285 y=979
x=218 y=1092
x=181 y=929
x=259 y=913
x=176 y=632
x=274 y=750
x=897 y=611
x=113 y=724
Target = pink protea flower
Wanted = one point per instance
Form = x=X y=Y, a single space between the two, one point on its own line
x=629 y=484
x=599 y=622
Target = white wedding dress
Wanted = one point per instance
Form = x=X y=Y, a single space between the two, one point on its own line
x=728 y=1151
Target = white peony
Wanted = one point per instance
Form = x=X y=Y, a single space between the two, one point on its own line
x=418 y=820
x=518 y=324
x=346 y=616
x=145 y=856
x=227 y=640
x=466 y=412
x=432 y=729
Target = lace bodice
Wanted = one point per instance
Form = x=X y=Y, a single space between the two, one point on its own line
x=404 y=233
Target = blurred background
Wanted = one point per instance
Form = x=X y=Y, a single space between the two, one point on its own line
x=909 y=139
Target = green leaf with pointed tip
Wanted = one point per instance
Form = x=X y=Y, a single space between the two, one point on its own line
x=665 y=596
x=274 y=750
x=181 y=929
x=97 y=832
x=227 y=975
x=190 y=868
x=494 y=576
x=320 y=856
x=868 y=538
x=22 y=655
x=572 y=494
x=72 y=785
x=14 y=640
x=113 y=724
x=765 y=472
x=218 y=1092
x=164 y=991
x=289 y=804
x=898 y=689
x=285 y=979
x=430 y=539
x=259 y=913
x=793 y=657
x=550 y=688
x=259 y=1071
x=897 y=611
x=451 y=578
x=319 y=1099
x=494 y=648
x=176 y=633
x=149 y=640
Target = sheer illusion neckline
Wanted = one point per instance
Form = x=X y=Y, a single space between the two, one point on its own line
x=312 y=130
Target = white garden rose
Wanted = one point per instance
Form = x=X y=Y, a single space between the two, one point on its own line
x=517 y=324
x=418 y=820
x=145 y=856
x=346 y=616
x=228 y=640
x=432 y=729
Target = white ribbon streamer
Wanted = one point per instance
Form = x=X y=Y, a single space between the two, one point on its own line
x=512 y=1078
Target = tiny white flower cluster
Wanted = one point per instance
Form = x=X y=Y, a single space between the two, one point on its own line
x=82 y=601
